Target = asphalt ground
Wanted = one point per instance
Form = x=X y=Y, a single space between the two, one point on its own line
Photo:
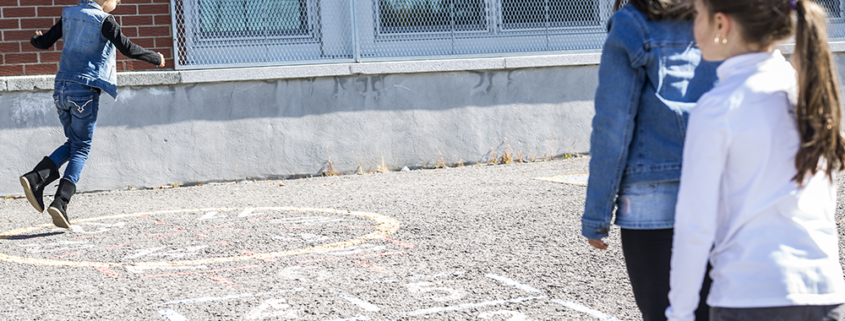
x=469 y=243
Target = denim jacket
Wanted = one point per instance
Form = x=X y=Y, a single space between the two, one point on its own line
x=650 y=77
x=88 y=58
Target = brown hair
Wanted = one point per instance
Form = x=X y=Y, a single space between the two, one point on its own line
x=818 y=113
x=661 y=9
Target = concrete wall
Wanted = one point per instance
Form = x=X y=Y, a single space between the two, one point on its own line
x=192 y=132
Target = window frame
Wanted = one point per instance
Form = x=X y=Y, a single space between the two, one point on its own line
x=555 y=26
x=192 y=11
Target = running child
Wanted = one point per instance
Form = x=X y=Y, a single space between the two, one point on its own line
x=86 y=69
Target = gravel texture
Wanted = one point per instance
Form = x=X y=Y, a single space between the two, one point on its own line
x=473 y=243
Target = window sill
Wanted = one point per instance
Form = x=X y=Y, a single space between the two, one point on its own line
x=158 y=78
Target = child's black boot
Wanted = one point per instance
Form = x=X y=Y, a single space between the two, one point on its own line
x=35 y=181
x=58 y=209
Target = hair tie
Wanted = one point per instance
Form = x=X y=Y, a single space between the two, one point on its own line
x=792 y=4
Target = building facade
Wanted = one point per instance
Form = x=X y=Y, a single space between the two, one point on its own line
x=257 y=89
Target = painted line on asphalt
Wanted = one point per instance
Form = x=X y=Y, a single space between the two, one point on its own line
x=172 y=315
x=579 y=179
x=387 y=226
x=367 y=306
x=353 y=319
x=507 y=281
x=469 y=306
x=228 y=297
x=581 y=308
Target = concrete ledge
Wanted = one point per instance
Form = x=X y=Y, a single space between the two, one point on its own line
x=156 y=78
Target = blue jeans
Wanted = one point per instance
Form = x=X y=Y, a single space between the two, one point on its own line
x=77 y=106
x=647 y=206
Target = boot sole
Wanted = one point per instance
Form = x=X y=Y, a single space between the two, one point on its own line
x=29 y=195
x=58 y=218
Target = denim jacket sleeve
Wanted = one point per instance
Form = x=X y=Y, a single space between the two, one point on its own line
x=622 y=76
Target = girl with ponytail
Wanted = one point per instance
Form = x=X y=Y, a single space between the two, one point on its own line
x=650 y=77
x=757 y=196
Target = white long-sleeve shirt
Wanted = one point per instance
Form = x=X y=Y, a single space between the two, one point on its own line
x=773 y=243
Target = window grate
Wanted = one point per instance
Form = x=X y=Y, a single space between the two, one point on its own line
x=231 y=33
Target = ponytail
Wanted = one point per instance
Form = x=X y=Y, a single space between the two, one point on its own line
x=818 y=111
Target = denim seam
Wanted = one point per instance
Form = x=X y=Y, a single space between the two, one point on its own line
x=641 y=29
x=652 y=168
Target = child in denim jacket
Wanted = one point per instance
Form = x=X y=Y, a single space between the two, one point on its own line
x=86 y=69
x=651 y=74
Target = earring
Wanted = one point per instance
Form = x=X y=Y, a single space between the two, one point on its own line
x=719 y=39
x=716 y=41
x=724 y=40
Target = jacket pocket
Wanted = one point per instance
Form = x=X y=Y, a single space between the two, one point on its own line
x=638 y=189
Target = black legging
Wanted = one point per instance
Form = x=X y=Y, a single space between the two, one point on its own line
x=648 y=256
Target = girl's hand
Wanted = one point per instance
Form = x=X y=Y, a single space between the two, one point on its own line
x=38 y=33
x=162 y=59
x=599 y=244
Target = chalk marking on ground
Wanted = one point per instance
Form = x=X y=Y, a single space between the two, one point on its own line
x=248 y=252
x=172 y=315
x=469 y=306
x=371 y=266
x=581 y=308
x=579 y=179
x=117 y=246
x=246 y=212
x=387 y=226
x=107 y=271
x=367 y=306
x=380 y=254
x=221 y=280
x=209 y=215
x=228 y=297
x=400 y=243
x=507 y=281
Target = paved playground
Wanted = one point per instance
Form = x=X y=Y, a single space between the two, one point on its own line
x=469 y=243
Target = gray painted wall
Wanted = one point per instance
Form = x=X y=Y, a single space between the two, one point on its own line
x=192 y=133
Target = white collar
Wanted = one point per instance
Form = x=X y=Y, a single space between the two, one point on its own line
x=748 y=63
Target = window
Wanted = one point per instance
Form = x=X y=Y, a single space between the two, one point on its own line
x=230 y=33
x=527 y=14
x=403 y=16
x=253 y=18
x=832 y=7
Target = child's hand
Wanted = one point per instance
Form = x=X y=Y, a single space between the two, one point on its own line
x=599 y=244
x=38 y=33
x=162 y=59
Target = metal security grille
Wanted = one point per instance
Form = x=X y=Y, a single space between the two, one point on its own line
x=230 y=33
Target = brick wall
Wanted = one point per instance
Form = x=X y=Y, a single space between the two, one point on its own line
x=145 y=22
